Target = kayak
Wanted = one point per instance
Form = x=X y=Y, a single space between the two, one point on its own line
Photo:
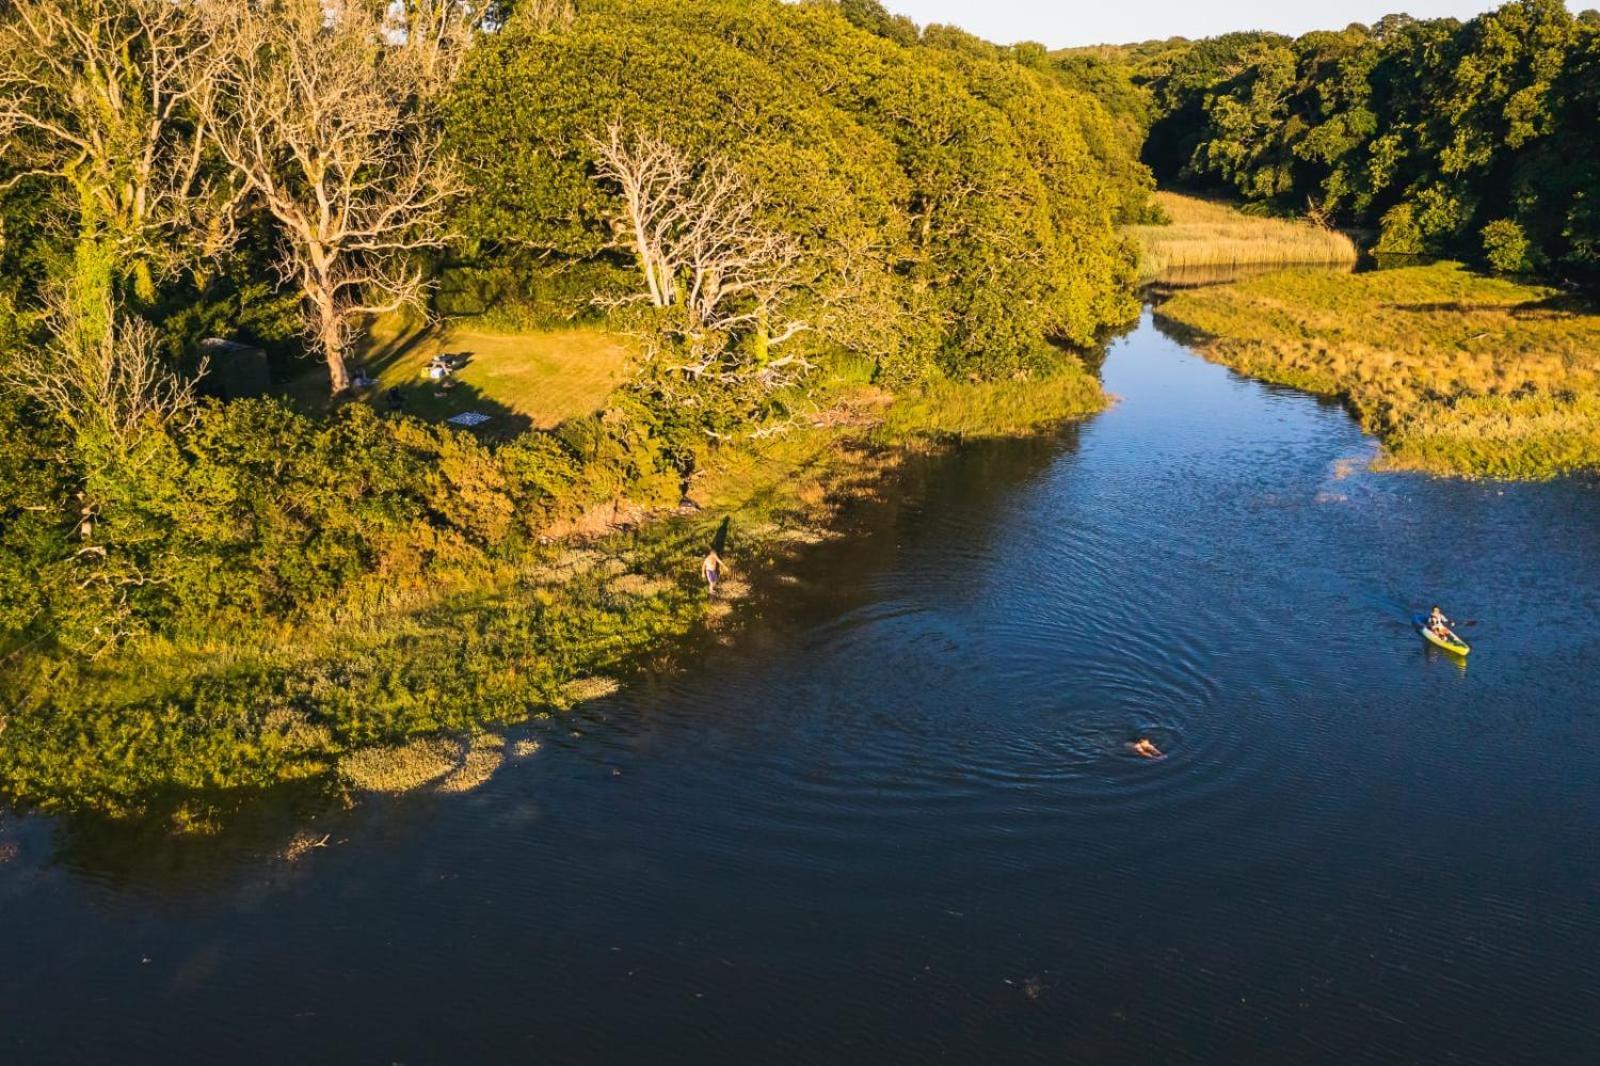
x=1452 y=643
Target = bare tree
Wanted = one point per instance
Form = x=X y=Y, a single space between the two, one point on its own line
x=545 y=15
x=326 y=118
x=433 y=37
x=99 y=96
x=696 y=231
x=102 y=373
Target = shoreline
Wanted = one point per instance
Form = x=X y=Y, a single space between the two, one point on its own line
x=1456 y=374
x=615 y=594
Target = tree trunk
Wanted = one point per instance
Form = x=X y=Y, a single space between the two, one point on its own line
x=330 y=338
x=332 y=351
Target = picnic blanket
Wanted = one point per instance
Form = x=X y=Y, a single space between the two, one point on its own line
x=468 y=419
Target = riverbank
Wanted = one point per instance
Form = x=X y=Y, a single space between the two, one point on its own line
x=1456 y=372
x=1207 y=234
x=404 y=694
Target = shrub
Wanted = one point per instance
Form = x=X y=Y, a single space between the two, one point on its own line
x=1506 y=247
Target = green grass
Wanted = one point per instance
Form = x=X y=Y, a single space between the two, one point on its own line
x=1211 y=235
x=539 y=378
x=947 y=409
x=529 y=380
x=1456 y=372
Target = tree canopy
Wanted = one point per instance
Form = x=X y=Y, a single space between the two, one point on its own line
x=1473 y=139
x=953 y=207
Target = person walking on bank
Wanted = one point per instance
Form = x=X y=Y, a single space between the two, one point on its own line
x=711 y=570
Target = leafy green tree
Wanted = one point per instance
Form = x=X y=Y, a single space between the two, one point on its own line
x=1432 y=133
x=951 y=205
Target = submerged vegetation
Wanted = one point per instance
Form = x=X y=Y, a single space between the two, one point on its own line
x=1205 y=234
x=1456 y=373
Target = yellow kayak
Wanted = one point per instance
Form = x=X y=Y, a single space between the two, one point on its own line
x=1452 y=643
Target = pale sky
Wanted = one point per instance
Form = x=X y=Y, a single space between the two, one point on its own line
x=1061 y=23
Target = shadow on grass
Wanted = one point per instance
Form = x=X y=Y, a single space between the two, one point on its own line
x=440 y=401
x=1558 y=305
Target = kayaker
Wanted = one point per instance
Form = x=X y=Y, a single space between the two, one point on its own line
x=1439 y=623
x=711 y=570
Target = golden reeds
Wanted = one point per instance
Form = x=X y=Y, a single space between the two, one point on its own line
x=1456 y=372
x=1209 y=235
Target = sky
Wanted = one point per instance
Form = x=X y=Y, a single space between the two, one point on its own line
x=1062 y=23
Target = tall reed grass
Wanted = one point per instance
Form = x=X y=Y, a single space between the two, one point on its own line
x=1207 y=234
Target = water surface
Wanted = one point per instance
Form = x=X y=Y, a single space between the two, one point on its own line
x=898 y=819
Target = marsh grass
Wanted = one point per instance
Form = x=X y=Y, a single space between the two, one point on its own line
x=1455 y=372
x=1209 y=234
x=946 y=409
x=485 y=754
x=401 y=767
x=589 y=689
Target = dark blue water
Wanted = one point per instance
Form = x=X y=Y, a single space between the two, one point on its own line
x=898 y=820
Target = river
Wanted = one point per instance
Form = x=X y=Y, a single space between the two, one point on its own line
x=898 y=820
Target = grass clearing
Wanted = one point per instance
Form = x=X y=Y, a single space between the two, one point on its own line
x=523 y=380
x=1456 y=372
x=1209 y=234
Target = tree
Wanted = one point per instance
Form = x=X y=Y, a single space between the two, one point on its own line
x=102 y=374
x=99 y=98
x=325 y=113
x=696 y=231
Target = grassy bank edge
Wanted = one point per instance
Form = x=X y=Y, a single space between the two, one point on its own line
x=614 y=595
x=1205 y=234
x=1486 y=377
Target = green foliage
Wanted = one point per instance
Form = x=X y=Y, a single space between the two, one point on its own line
x=1024 y=404
x=35 y=502
x=1506 y=248
x=954 y=207
x=1436 y=134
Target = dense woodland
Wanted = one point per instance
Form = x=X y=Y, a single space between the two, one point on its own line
x=770 y=199
x=1475 y=140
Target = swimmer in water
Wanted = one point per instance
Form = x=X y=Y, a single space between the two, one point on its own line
x=1145 y=748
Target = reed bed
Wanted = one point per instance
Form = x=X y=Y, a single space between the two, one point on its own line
x=1455 y=372
x=1209 y=235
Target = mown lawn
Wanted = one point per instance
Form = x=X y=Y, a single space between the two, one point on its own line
x=1456 y=372
x=521 y=380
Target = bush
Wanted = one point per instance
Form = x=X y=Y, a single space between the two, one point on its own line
x=1506 y=248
